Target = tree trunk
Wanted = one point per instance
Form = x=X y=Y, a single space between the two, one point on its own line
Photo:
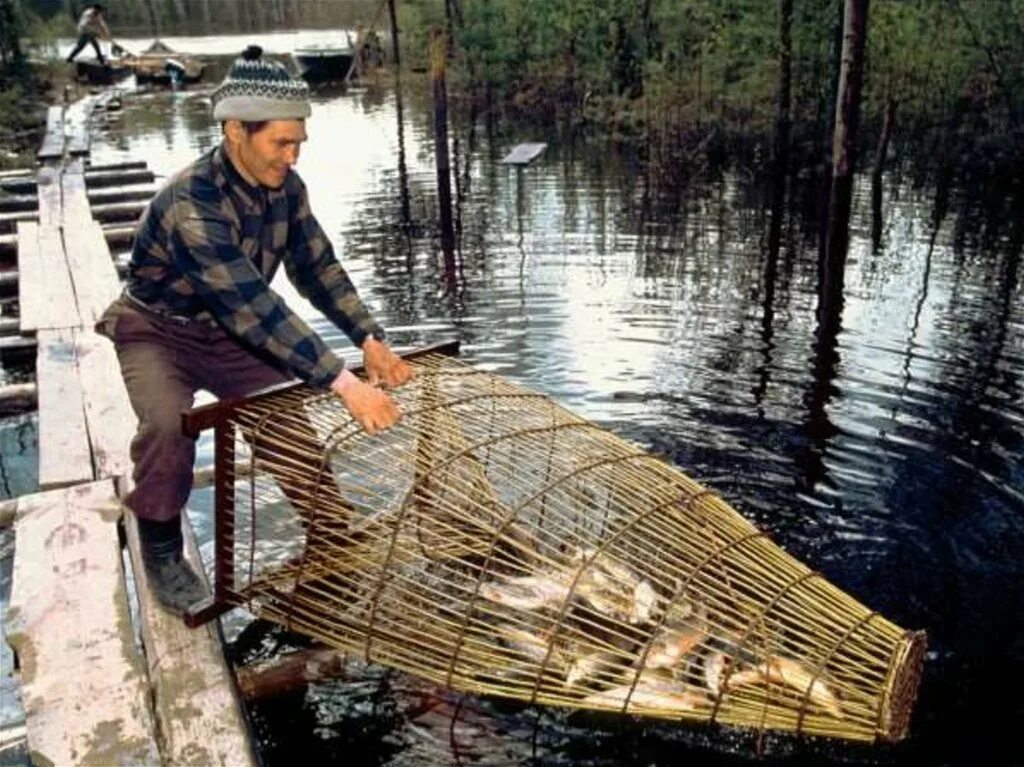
x=180 y=14
x=204 y=14
x=394 y=34
x=444 y=191
x=783 y=104
x=154 y=18
x=888 y=124
x=847 y=121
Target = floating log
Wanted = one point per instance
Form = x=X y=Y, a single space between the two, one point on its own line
x=18 y=202
x=9 y=221
x=117 y=211
x=118 y=236
x=94 y=179
x=105 y=179
x=104 y=196
x=9 y=344
x=109 y=166
x=18 y=398
x=290 y=673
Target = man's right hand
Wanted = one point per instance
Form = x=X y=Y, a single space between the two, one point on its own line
x=372 y=408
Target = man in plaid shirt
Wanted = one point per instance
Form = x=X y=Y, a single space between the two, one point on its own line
x=198 y=311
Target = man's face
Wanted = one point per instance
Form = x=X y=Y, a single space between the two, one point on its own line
x=267 y=154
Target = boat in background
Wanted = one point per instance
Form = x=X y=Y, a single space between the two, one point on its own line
x=324 y=63
x=90 y=71
x=161 y=65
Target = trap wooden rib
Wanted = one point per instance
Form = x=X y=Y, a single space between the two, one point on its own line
x=495 y=543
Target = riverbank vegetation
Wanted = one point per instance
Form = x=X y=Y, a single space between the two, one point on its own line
x=23 y=91
x=696 y=72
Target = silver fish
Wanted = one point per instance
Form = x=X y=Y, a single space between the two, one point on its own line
x=801 y=679
x=650 y=692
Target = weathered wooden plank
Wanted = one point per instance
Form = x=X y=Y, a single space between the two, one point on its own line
x=53 y=141
x=105 y=179
x=18 y=185
x=18 y=202
x=523 y=154
x=45 y=293
x=103 y=196
x=74 y=203
x=126 y=165
x=84 y=692
x=49 y=196
x=198 y=712
x=9 y=221
x=108 y=412
x=76 y=125
x=121 y=212
x=93 y=273
x=64 y=455
x=119 y=236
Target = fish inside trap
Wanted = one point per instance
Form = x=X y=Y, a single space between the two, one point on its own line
x=495 y=543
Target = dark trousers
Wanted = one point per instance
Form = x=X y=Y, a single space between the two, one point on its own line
x=83 y=40
x=164 y=361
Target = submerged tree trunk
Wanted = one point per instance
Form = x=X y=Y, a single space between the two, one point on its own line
x=393 y=19
x=888 y=124
x=783 y=104
x=444 y=190
x=847 y=121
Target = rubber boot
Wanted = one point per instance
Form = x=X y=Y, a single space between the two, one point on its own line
x=172 y=580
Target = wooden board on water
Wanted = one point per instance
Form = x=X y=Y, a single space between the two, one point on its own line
x=74 y=202
x=64 y=454
x=76 y=125
x=92 y=270
x=524 y=154
x=45 y=293
x=84 y=692
x=196 y=706
x=53 y=141
x=108 y=411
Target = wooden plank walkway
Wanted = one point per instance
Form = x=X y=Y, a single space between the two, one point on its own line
x=84 y=690
x=190 y=713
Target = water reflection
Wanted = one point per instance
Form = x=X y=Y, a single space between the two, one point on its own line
x=866 y=413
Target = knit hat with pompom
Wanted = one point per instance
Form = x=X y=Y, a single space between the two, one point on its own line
x=258 y=89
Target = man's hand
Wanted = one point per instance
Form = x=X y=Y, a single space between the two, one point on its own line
x=372 y=408
x=383 y=366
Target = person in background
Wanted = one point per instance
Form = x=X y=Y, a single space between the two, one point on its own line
x=198 y=311
x=91 y=29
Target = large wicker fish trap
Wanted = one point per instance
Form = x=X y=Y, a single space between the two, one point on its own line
x=495 y=543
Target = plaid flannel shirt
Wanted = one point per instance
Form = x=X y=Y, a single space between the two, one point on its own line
x=208 y=246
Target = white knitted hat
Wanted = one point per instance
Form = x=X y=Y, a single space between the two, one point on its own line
x=257 y=89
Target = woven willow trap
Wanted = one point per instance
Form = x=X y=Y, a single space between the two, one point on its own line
x=495 y=543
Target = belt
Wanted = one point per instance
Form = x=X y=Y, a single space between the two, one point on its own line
x=177 y=319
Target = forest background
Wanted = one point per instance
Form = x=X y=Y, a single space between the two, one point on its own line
x=684 y=78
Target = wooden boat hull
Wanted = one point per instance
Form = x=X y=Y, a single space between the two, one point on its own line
x=323 y=66
x=94 y=73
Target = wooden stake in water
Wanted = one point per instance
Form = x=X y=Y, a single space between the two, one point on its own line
x=444 y=190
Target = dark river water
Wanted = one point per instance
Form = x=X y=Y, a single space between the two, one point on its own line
x=883 y=449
